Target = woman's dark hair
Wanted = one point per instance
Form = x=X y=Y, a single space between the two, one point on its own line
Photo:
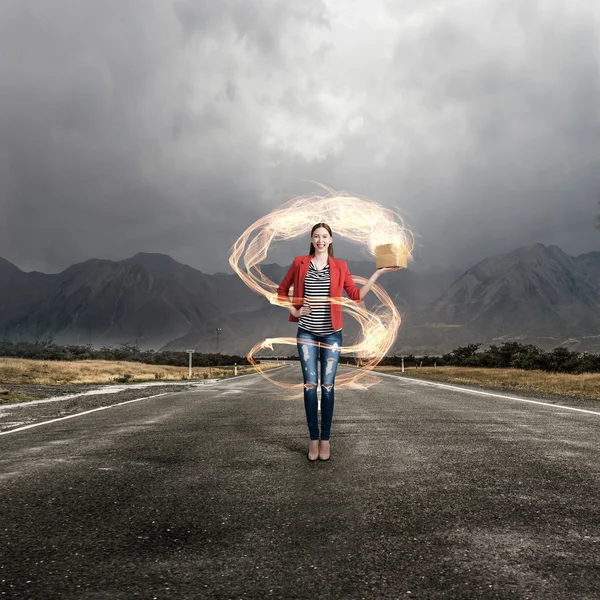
x=312 y=246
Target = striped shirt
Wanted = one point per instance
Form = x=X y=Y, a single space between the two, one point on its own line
x=317 y=285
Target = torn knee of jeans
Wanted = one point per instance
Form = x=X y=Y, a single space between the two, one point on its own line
x=309 y=385
x=327 y=386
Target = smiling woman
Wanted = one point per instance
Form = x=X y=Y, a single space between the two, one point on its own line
x=317 y=277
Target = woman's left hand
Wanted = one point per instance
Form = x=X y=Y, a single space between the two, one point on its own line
x=386 y=269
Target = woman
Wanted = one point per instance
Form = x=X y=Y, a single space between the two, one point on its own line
x=316 y=278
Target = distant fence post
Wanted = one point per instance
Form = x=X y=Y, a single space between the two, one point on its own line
x=403 y=364
x=190 y=352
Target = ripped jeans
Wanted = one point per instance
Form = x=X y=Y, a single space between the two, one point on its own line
x=310 y=347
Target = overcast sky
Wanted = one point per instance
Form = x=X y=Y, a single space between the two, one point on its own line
x=171 y=126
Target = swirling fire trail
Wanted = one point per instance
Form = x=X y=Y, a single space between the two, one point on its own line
x=359 y=220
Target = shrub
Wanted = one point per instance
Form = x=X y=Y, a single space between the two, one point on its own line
x=125 y=378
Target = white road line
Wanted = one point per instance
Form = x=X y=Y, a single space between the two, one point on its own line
x=86 y=412
x=79 y=414
x=482 y=393
x=115 y=389
x=99 y=391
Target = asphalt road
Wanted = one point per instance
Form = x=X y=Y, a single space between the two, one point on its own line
x=429 y=493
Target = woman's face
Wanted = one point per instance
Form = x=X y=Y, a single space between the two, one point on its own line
x=321 y=240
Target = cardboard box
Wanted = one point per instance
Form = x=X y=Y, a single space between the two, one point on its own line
x=389 y=255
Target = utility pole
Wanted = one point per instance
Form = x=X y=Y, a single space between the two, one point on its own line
x=190 y=352
x=218 y=332
x=403 y=364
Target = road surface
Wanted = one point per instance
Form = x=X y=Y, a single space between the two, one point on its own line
x=430 y=492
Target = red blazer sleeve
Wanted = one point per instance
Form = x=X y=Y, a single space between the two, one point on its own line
x=349 y=285
x=283 y=296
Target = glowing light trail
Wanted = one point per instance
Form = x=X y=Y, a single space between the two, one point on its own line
x=357 y=219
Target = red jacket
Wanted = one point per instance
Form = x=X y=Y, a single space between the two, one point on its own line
x=340 y=278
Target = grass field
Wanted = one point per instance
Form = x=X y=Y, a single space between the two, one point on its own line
x=57 y=372
x=586 y=385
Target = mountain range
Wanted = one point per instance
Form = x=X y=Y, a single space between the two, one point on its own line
x=536 y=294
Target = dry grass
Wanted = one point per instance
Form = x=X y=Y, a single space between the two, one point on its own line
x=59 y=372
x=46 y=372
x=586 y=385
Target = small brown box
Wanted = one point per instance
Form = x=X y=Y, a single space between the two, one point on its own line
x=389 y=255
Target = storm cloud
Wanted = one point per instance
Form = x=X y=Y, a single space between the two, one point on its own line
x=170 y=127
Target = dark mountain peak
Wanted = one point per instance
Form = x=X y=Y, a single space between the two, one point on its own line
x=157 y=263
x=530 y=290
x=536 y=257
x=156 y=256
x=7 y=268
x=539 y=255
x=95 y=262
x=86 y=267
x=589 y=260
x=531 y=252
x=589 y=264
x=594 y=255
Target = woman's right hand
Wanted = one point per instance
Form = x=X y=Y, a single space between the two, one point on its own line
x=304 y=310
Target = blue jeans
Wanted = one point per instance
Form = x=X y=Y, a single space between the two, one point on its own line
x=311 y=347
